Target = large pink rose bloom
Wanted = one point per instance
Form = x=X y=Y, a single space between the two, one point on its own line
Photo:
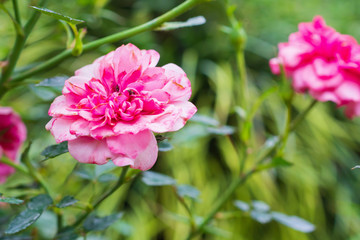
x=12 y=135
x=110 y=108
x=323 y=62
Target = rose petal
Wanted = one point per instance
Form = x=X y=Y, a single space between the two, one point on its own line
x=352 y=110
x=141 y=148
x=275 y=65
x=178 y=86
x=80 y=127
x=89 y=150
x=60 y=129
x=60 y=107
x=173 y=118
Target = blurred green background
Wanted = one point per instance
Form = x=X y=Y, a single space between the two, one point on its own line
x=320 y=186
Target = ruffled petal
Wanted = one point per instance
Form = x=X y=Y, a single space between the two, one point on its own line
x=178 y=85
x=137 y=150
x=60 y=129
x=80 y=127
x=352 y=109
x=275 y=65
x=89 y=150
x=150 y=58
x=173 y=118
x=60 y=107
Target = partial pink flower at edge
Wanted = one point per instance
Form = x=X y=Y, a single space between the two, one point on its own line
x=322 y=62
x=110 y=108
x=12 y=136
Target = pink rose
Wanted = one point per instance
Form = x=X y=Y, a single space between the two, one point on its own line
x=12 y=135
x=323 y=62
x=110 y=108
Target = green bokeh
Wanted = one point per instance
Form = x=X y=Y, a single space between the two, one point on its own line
x=320 y=187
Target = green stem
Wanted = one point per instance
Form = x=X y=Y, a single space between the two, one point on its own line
x=243 y=78
x=243 y=102
x=242 y=179
x=33 y=172
x=17 y=26
x=287 y=128
x=17 y=49
x=188 y=210
x=224 y=197
x=16 y=11
x=180 y=9
x=29 y=170
x=302 y=115
x=120 y=182
x=18 y=167
x=59 y=218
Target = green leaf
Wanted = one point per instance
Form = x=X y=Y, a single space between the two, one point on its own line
x=43 y=93
x=261 y=217
x=195 y=21
x=86 y=173
x=11 y=200
x=218 y=232
x=157 y=179
x=187 y=191
x=101 y=169
x=243 y=206
x=293 y=222
x=165 y=146
x=17 y=237
x=271 y=142
x=67 y=201
x=55 y=150
x=108 y=177
x=280 y=162
x=35 y=208
x=58 y=16
x=54 y=82
x=23 y=220
x=123 y=228
x=260 y=100
x=66 y=234
x=240 y=112
x=224 y=130
x=275 y=162
x=190 y=133
x=206 y=120
x=210 y=229
x=40 y=202
x=47 y=225
x=260 y=206
x=94 y=223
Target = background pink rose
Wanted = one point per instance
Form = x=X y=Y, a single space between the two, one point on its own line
x=110 y=108
x=323 y=62
x=12 y=135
